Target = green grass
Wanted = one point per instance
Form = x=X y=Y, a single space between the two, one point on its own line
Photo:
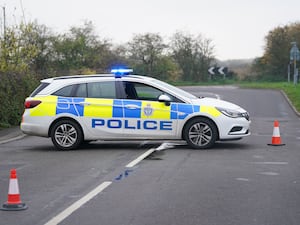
x=291 y=90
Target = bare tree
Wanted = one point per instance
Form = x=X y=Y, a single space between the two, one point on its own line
x=146 y=48
x=193 y=55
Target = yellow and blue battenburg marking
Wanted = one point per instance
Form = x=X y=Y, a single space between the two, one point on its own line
x=110 y=108
x=70 y=105
x=181 y=111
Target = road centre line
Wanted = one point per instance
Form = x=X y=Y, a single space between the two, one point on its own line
x=76 y=205
x=163 y=146
x=140 y=158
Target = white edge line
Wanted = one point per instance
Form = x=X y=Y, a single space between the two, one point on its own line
x=140 y=158
x=76 y=205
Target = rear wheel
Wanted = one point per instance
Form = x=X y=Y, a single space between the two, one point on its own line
x=200 y=133
x=66 y=135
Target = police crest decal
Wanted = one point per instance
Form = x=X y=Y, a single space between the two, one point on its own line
x=148 y=110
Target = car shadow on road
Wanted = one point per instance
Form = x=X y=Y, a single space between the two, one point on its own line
x=219 y=146
x=231 y=146
x=99 y=146
x=139 y=145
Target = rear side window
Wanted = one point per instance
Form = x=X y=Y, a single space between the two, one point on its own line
x=75 y=90
x=65 y=91
x=39 y=89
x=81 y=91
x=106 y=89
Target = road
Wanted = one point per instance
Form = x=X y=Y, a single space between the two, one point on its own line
x=244 y=182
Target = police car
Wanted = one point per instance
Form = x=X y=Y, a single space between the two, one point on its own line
x=118 y=106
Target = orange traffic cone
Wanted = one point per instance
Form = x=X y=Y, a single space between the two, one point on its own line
x=13 y=200
x=276 y=140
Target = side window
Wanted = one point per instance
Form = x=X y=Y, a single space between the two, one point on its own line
x=65 y=91
x=104 y=89
x=81 y=91
x=143 y=92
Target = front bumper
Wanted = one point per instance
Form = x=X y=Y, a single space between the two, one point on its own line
x=234 y=128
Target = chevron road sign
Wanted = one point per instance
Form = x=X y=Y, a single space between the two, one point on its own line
x=211 y=70
x=222 y=70
x=218 y=70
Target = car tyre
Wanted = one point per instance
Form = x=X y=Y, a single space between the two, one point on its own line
x=66 y=135
x=200 y=133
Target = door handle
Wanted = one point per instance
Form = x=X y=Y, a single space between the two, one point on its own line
x=131 y=106
x=84 y=103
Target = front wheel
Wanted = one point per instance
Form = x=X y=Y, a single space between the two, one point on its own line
x=66 y=135
x=200 y=133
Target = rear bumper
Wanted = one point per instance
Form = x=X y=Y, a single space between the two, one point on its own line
x=35 y=125
x=33 y=129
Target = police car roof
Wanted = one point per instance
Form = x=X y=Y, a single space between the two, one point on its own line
x=75 y=77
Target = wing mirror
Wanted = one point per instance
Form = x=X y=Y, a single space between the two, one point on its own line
x=165 y=98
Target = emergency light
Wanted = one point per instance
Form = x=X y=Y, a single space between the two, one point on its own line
x=121 y=72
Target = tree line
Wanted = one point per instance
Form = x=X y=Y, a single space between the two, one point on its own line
x=273 y=64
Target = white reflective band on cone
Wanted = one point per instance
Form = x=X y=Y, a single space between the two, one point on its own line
x=13 y=187
x=276 y=132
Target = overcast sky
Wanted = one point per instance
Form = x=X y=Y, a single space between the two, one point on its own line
x=236 y=27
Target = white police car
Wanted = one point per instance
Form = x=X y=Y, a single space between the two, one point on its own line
x=118 y=106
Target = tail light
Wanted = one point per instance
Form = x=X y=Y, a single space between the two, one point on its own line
x=29 y=104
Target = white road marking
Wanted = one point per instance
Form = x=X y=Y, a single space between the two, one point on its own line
x=13 y=139
x=72 y=208
x=242 y=179
x=140 y=158
x=271 y=163
x=258 y=157
x=165 y=145
x=269 y=173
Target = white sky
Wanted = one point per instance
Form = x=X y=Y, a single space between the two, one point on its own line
x=236 y=27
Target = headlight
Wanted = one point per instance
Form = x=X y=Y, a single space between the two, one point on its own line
x=230 y=112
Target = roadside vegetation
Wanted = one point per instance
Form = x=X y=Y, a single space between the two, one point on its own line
x=31 y=52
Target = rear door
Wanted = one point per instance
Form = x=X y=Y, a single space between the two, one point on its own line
x=99 y=107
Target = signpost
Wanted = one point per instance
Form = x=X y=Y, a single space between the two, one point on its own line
x=294 y=57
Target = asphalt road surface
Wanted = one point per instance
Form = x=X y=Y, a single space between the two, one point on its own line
x=244 y=182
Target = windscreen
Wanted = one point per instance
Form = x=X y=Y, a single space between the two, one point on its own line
x=175 y=89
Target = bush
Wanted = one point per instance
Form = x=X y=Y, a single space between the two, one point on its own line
x=13 y=90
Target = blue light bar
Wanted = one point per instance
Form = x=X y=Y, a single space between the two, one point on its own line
x=121 y=72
